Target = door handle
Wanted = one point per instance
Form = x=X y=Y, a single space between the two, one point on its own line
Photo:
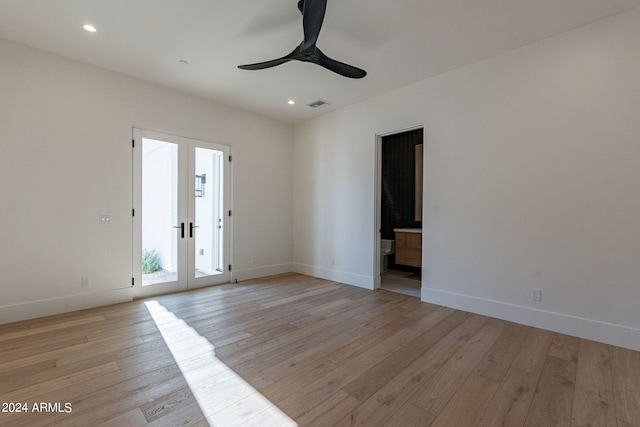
x=191 y=227
x=181 y=227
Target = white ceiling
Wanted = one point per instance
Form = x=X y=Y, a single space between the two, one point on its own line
x=398 y=42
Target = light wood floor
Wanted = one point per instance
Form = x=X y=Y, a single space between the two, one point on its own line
x=320 y=352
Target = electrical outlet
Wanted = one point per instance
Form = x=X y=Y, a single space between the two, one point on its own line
x=536 y=295
x=253 y=259
x=85 y=282
x=332 y=261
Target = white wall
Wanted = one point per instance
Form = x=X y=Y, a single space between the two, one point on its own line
x=531 y=178
x=65 y=134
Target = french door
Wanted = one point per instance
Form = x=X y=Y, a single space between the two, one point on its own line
x=181 y=220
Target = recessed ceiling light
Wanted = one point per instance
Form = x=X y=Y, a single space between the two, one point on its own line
x=89 y=27
x=291 y=102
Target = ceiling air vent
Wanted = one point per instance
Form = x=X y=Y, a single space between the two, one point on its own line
x=318 y=103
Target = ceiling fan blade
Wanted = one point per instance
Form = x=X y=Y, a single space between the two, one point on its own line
x=272 y=63
x=312 y=16
x=313 y=12
x=339 y=67
x=263 y=65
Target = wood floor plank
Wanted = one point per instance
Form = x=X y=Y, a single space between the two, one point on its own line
x=553 y=399
x=323 y=387
x=48 y=372
x=376 y=377
x=289 y=370
x=330 y=411
x=354 y=347
x=510 y=403
x=297 y=381
x=593 y=398
x=435 y=393
x=33 y=391
x=246 y=412
x=158 y=408
x=258 y=344
x=187 y=416
x=24 y=346
x=419 y=311
x=565 y=347
x=103 y=403
x=111 y=395
x=20 y=352
x=390 y=306
x=50 y=328
x=468 y=404
x=386 y=401
x=305 y=341
x=297 y=349
x=96 y=348
x=409 y=415
x=534 y=351
x=11 y=380
x=132 y=418
x=433 y=317
x=498 y=359
x=625 y=372
x=40 y=357
x=283 y=301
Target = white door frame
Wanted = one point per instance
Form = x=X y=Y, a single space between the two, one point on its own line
x=377 y=229
x=186 y=279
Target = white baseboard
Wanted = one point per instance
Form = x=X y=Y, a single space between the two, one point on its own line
x=52 y=306
x=358 y=280
x=257 y=272
x=618 y=335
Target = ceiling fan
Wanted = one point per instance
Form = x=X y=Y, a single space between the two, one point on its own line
x=312 y=16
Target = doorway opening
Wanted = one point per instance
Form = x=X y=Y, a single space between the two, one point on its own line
x=399 y=205
x=181 y=195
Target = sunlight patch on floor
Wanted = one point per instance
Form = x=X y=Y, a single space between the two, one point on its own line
x=223 y=396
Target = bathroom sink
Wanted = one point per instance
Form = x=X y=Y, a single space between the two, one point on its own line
x=408 y=230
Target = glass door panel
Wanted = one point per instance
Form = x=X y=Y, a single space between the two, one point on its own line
x=206 y=228
x=161 y=227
